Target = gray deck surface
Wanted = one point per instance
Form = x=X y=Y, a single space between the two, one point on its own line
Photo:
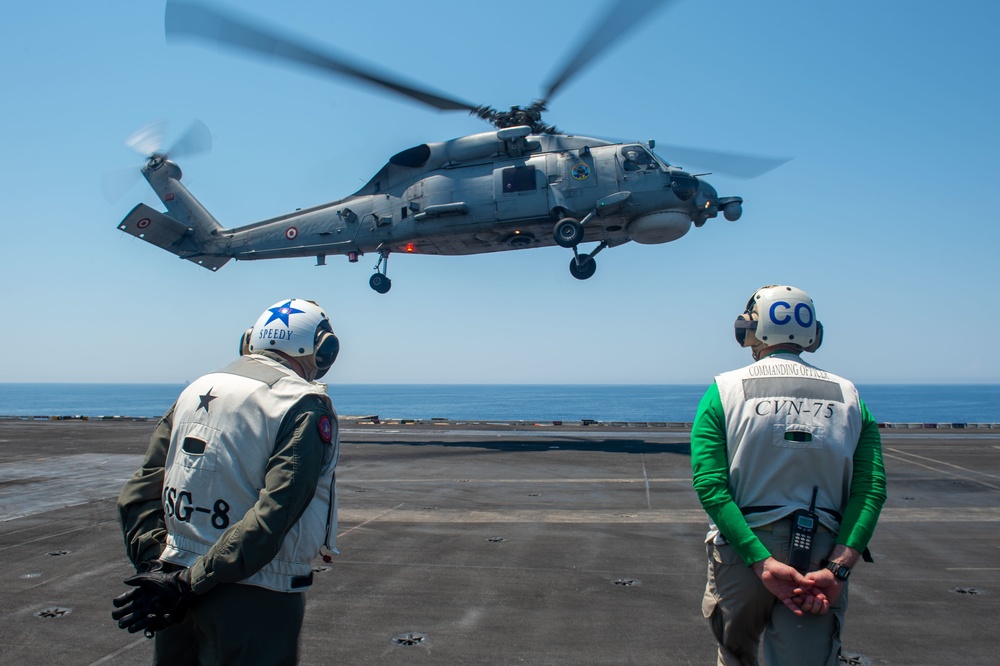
x=484 y=544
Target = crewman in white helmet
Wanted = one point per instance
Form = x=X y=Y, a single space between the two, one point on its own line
x=787 y=463
x=234 y=499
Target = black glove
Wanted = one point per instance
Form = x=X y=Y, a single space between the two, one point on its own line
x=157 y=600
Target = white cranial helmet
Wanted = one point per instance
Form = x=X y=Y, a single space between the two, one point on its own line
x=299 y=329
x=779 y=315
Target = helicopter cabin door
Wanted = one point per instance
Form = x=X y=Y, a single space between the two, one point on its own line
x=570 y=176
x=521 y=190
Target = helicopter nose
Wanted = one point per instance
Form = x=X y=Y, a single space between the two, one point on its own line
x=705 y=203
x=684 y=185
x=707 y=197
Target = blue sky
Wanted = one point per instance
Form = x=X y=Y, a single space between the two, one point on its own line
x=886 y=215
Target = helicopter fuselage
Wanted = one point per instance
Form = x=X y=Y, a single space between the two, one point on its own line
x=502 y=190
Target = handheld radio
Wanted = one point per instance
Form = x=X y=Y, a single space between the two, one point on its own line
x=804 y=526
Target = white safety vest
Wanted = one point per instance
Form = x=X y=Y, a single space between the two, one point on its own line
x=225 y=428
x=789 y=427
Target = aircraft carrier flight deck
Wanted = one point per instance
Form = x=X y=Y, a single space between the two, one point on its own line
x=505 y=543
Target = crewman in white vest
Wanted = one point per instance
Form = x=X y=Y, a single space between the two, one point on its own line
x=234 y=499
x=787 y=463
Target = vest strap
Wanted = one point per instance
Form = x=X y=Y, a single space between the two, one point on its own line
x=246 y=367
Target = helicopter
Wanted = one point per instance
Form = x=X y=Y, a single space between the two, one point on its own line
x=523 y=184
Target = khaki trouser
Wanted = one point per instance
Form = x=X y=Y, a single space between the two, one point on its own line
x=742 y=611
x=235 y=624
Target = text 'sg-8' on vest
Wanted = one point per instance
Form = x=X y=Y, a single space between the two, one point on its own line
x=789 y=427
x=225 y=429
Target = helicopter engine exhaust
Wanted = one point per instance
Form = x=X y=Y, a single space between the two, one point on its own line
x=661 y=227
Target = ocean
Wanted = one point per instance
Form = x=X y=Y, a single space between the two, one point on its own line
x=889 y=403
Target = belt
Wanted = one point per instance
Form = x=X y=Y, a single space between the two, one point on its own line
x=770 y=526
x=745 y=510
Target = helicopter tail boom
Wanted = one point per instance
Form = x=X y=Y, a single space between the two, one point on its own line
x=165 y=232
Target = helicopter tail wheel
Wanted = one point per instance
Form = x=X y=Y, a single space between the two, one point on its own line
x=582 y=266
x=568 y=232
x=380 y=283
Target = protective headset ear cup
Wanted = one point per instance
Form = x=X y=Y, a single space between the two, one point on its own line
x=818 y=340
x=245 y=342
x=743 y=325
x=327 y=349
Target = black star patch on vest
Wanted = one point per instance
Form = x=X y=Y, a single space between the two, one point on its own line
x=205 y=399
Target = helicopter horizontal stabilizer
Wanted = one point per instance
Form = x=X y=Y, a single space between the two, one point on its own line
x=165 y=232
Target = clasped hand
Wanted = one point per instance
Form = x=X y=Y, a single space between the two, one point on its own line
x=809 y=593
x=156 y=600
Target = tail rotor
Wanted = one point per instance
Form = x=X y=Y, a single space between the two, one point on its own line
x=148 y=141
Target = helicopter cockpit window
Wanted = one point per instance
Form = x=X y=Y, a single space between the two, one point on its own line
x=637 y=158
x=519 y=179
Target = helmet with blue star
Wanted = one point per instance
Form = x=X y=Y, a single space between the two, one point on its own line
x=296 y=328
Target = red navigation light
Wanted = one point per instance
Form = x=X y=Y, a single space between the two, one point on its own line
x=409 y=247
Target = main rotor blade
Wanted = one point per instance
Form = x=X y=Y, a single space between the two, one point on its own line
x=730 y=164
x=192 y=21
x=613 y=25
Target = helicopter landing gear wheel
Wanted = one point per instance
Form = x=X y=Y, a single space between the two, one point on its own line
x=582 y=266
x=380 y=283
x=568 y=232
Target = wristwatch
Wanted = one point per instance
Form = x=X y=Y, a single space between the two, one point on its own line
x=840 y=571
